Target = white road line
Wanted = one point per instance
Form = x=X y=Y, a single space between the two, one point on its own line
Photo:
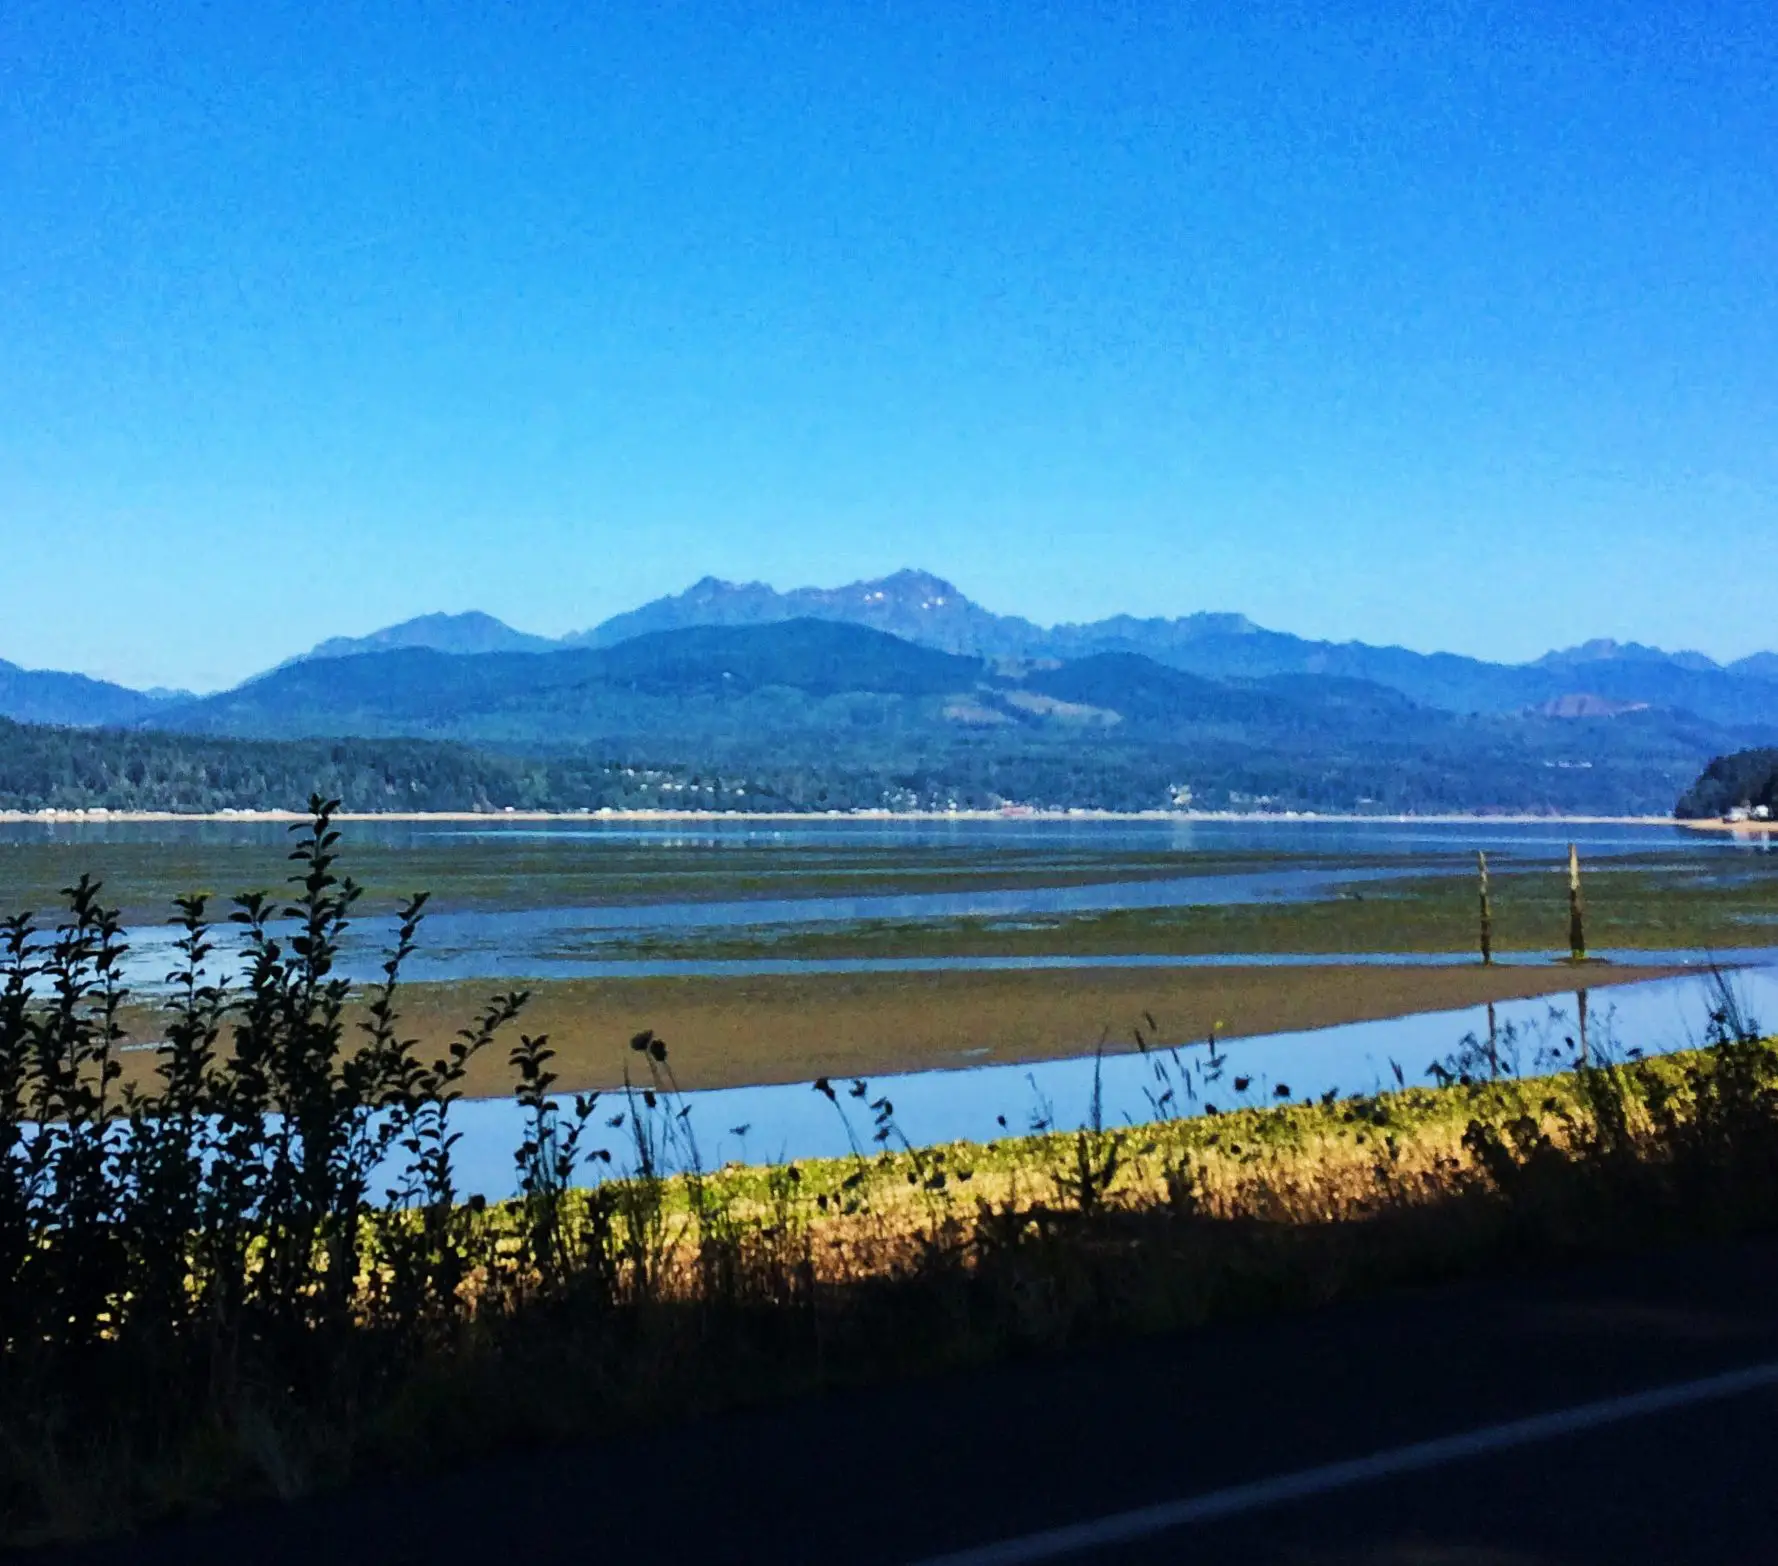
x=1124 y=1527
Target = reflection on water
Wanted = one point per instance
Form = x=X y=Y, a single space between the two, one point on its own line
x=1534 y=840
x=557 y=936
x=985 y=1102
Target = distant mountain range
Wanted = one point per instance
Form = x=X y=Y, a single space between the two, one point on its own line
x=46 y=696
x=843 y=712
x=925 y=609
x=452 y=633
x=903 y=689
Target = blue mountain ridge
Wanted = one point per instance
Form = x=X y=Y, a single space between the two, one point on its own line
x=881 y=717
x=920 y=607
x=50 y=696
x=496 y=683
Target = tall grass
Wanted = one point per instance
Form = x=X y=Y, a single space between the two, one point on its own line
x=261 y=1274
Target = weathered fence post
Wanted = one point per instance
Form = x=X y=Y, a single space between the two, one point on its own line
x=1487 y=913
x=1577 y=929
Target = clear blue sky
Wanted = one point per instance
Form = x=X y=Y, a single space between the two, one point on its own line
x=1452 y=325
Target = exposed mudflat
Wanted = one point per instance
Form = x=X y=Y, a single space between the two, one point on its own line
x=778 y=1028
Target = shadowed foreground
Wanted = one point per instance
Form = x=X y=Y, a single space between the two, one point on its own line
x=904 y=1473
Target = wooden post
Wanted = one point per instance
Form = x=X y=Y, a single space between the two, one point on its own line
x=1581 y=997
x=1487 y=913
x=1577 y=929
x=1493 y=1042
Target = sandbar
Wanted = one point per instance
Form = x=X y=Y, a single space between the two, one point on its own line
x=792 y=1028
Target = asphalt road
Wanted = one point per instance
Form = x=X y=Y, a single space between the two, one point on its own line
x=918 y=1472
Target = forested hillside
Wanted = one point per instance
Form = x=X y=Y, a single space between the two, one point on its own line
x=83 y=769
x=1749 y=777
x=1479 y=765
x=49 y=696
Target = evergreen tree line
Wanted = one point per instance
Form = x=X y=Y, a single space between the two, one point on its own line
x=44 y=768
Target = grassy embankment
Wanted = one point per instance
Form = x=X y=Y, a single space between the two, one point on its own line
x=206 y=1298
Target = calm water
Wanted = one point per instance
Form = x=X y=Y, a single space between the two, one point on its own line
x=782 y=1123
x=553 y=922
x=1546 y=841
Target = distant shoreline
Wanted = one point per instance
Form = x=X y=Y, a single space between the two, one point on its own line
x=1733 y=828
x=104 y=817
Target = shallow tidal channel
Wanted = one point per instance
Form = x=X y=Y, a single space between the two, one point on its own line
x=583 y=905
x=781 y=1123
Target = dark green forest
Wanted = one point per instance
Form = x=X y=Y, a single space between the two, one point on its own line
x=1747 y=778
x=1476 y=764
x=83 y=769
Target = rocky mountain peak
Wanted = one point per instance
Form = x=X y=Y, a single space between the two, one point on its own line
x=1605 y=649
x=919 y=590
